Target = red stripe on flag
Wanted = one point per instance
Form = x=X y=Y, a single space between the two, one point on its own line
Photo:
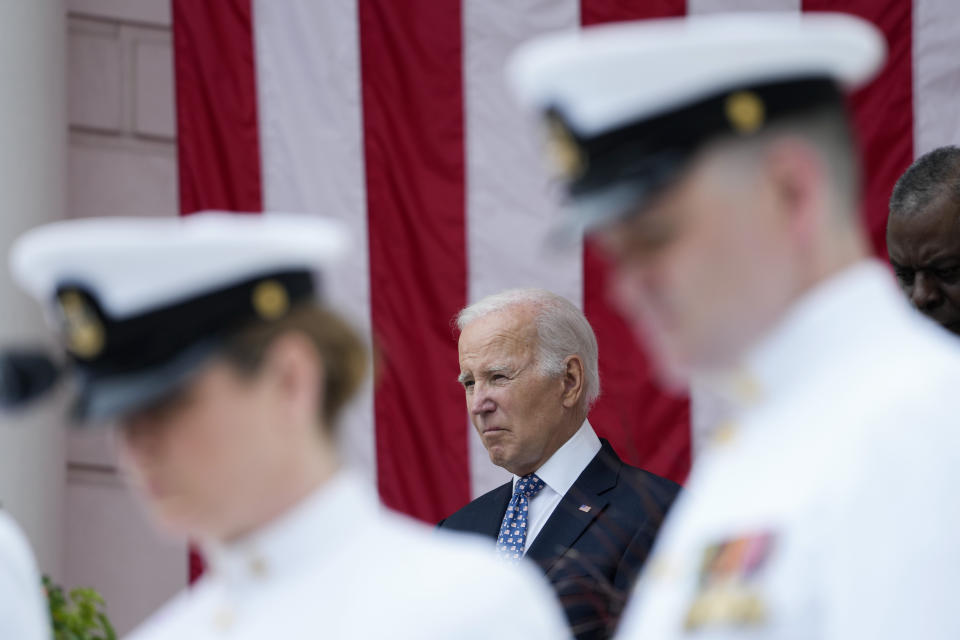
x=218 y=142
x=412 y=88
x=883 y=111
x=646 y=426
x=600 y=11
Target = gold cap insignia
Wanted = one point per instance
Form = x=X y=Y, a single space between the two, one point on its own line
x=563 y=151
x=270 y=300
x=745 y=111
x=85 y=335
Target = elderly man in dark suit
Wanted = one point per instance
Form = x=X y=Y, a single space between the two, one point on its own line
x=528 y=365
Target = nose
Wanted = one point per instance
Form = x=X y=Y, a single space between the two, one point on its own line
x=138 y=436
x=480 y=401
x=925 y=294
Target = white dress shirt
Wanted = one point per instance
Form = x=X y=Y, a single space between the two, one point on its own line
x=23 y=608
x=340 y=566
x=558 y=474
x=827 y=509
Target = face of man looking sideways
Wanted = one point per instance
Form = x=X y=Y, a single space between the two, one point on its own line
x=924 y=248
x=708 y=264
x=522 y=414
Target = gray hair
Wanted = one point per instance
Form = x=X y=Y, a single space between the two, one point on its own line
x=931 y=176
x=562 y=331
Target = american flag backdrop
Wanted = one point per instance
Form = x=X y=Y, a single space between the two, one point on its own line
x=393 y=116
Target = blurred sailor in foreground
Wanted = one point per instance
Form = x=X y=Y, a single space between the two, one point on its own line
x=204 y=340
x=712 y=159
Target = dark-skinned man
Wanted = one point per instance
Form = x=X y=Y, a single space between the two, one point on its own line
x=923 y=235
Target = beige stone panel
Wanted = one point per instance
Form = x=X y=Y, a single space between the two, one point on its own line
x=153 y=96
x=121 y=181
x=94 y=73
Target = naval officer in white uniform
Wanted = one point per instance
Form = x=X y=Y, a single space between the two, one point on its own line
x=204 y=340
x=711 y=158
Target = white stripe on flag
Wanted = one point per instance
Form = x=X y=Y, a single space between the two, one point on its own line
x=936 y=74
x=311 y=149
x=509 y=212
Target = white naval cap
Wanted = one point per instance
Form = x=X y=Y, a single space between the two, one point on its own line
x=140 y=302
x=627 y=104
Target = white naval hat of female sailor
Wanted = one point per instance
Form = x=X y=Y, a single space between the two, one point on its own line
x=626 y=105
x=140 y=302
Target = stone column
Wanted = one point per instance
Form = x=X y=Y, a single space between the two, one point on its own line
x=32 y=186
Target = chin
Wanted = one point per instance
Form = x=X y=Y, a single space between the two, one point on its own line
x=496 y=458
x=177 y=520
x=173 y=526
x=501 y=459
x=671 y=370
x=673 y=379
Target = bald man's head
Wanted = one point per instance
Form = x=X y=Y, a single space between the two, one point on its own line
x=931 y=177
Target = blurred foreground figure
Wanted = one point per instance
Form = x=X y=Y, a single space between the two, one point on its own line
x=923 y=235
x=529 y=370
x=712 y=160
x=205 y=341
x=23 y=609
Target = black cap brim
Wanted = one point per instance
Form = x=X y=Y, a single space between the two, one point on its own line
x=101 y=399
x=592 y=211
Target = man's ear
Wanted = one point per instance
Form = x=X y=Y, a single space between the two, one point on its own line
x=296 y=374
x=797 y=173
x=573 y=381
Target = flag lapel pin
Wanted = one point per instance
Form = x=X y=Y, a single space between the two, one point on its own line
x=585 y=508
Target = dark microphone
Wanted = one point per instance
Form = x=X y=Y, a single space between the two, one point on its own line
x=25 y=376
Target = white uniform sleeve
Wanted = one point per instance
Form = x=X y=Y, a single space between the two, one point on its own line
x=517 y=602
x=23 y=611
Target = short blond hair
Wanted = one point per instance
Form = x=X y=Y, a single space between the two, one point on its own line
x=339 y=347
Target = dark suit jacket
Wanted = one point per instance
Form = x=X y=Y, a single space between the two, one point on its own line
x=591 y=556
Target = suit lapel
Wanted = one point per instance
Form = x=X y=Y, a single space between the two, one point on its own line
x=577 y=510
x=487 y=517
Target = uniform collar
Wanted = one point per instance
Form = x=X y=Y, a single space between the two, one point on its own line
x=311 y=528
x=565 y=466
x=831 y=318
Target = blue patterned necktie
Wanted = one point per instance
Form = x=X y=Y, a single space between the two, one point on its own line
x=513 y=531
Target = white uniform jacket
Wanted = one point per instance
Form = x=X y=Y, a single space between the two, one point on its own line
x=828 y=509
x=340 y=566
x=23 y=608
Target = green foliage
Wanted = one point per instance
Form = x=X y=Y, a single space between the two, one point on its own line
x=79 y=615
